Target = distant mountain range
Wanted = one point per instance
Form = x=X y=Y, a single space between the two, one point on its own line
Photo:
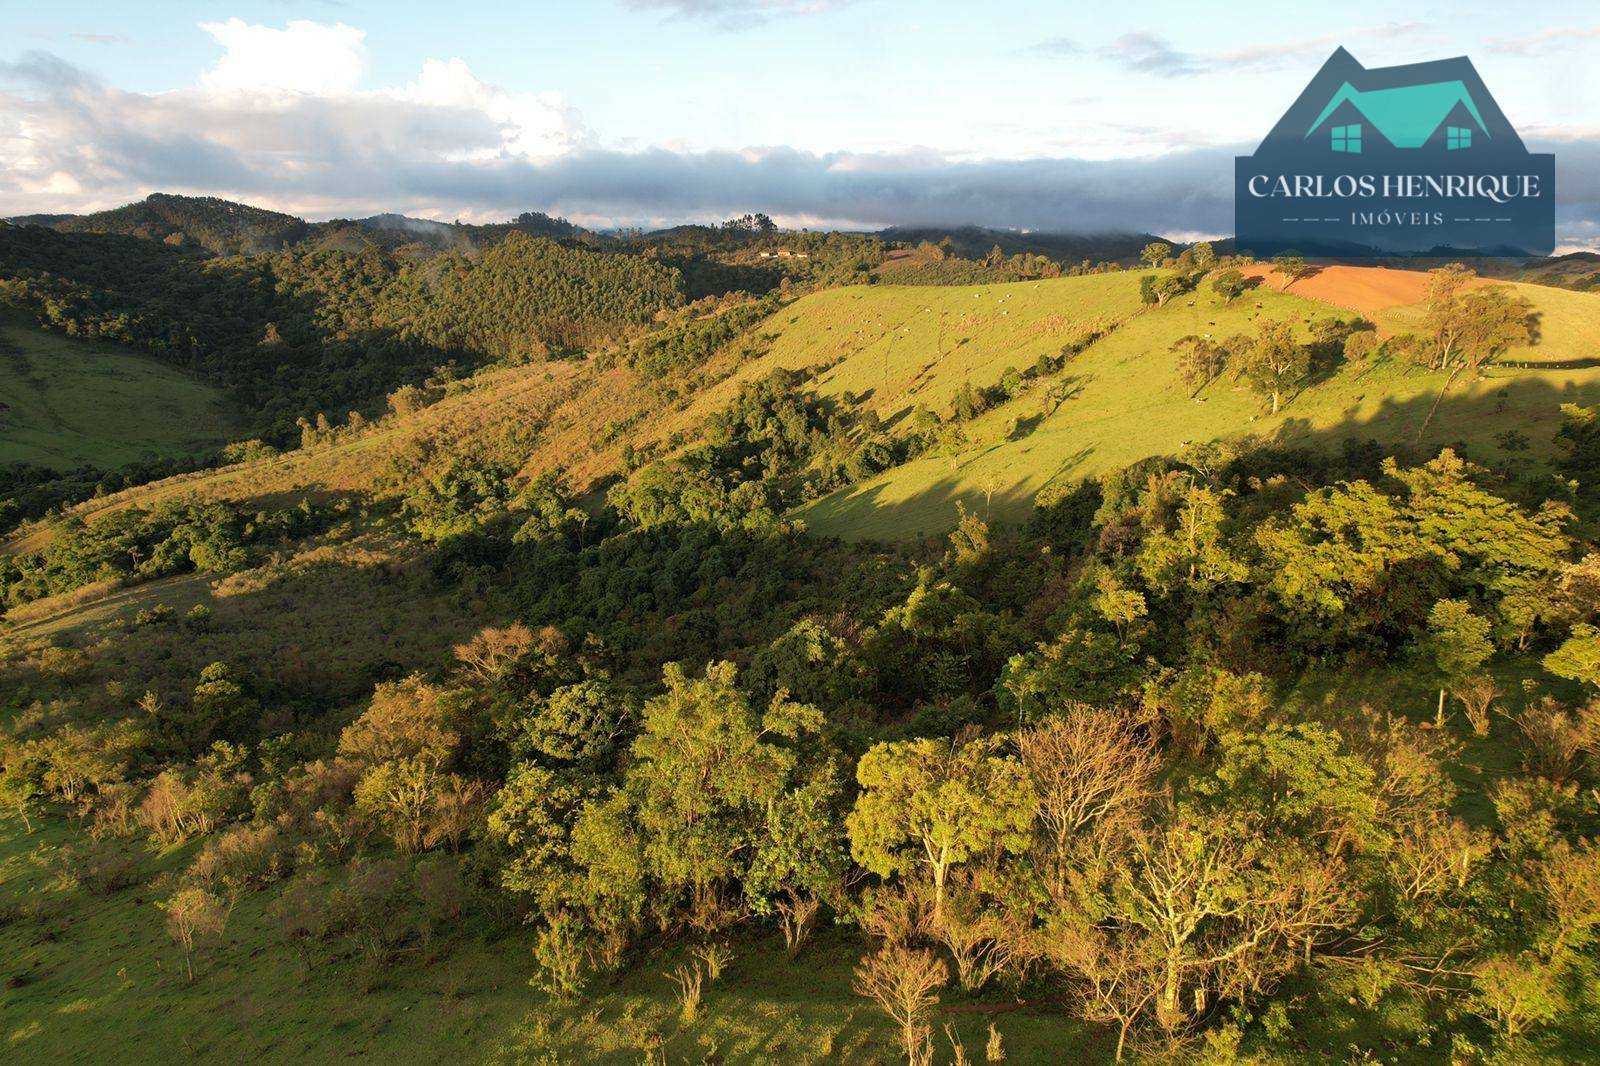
x=224 y=227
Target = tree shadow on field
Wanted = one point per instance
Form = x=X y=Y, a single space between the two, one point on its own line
x=1470 y=422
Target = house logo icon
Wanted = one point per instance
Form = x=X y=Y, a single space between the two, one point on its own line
x=1408 y=160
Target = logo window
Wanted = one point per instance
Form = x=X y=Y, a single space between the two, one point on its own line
x=1348 y=138
x=1457 y=137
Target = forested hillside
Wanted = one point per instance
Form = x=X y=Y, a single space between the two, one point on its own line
x=197 y=223
x=705 y=649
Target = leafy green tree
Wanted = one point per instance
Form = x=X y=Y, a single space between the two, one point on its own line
x=1458 y=641
x=934 y=804
x=1081 y=664
x=20 y=788
x=1275 y=362
x=1473 y=329
x=1199 y=361
x=1361 y=344
x=1301 y=779
x=707 y=766
x=1516 y=994
x=1155 y=253
x=1291 y=268
x=1118 y=604
x=220 y=706
x=1193 y=553
x=1578 y=657
x=800 y=857
x=409 y=718
x=530 y=819
x=1203 y=702
x=576 y=725
x=400 y=796
x=1230 y=285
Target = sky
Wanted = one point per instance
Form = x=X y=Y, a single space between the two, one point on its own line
x=1061 y=116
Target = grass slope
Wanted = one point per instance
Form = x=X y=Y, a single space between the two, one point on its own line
x=80 y=964
x=1128 y=403
x=65 y=402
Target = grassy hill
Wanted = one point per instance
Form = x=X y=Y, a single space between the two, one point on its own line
x=890 y=349
x=65 y=402
x=1127 y=401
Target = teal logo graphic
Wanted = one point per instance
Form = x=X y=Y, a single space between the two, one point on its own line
x=1409 y=160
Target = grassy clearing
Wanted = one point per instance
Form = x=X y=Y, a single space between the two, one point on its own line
x=65 y=402
x=82 y=967
x=80 y=964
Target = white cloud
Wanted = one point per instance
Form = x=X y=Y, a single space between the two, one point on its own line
x=303 y=57
x=532 y=125
x=1144 y=52
x=737 y=14
x=1562 y=37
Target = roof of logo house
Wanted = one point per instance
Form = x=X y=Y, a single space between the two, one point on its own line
x=1438 y=105
x=1407 y=115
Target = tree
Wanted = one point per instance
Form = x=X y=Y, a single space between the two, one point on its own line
x=1093 y=774
x=800 y=858
x=408 y=718
x=1275 y=362
x=935 y=804
x=494 y=651
x=1118 y=604
x=1199 y=361
x=1230 y=285
x=1361 y=344
x=707 y=768
x=1458 y=641
x=1443 y=317
x=904 y=982
x=1155 y=253
x=1193 y=553
x=19 y=789
x=531 y=817
x=195 y=917
x=576 y=725
x=220 y=707
x=400 y=795
x=1220 y=909
x=1473 y=330
x=1578 y=657
x=1516 y=994
x=1291 y=268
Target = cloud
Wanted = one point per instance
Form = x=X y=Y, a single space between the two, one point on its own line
x=101 y=38
x=449 y=145
x=530 y=124
x=1058 y=46
x=1145 y=52
x=737 y=14
x=1562 y=37
x=303 y=57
